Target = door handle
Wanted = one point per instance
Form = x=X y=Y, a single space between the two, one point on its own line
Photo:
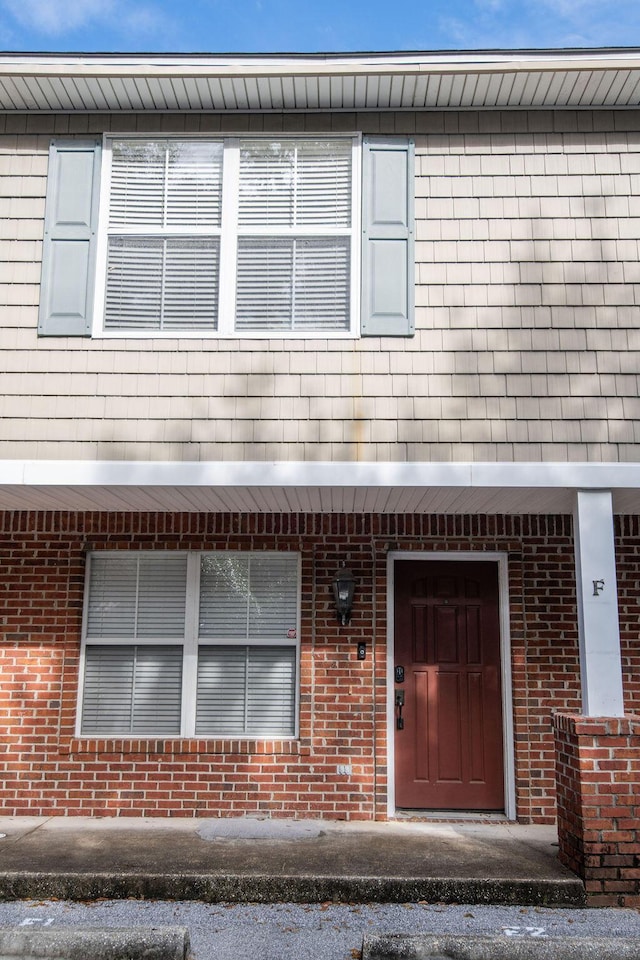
x=399 y=705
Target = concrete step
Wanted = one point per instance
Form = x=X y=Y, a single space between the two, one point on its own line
x=283 y=888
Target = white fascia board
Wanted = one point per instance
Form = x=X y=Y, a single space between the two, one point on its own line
x=577 y=476
x=62 y=473
x=155 y=65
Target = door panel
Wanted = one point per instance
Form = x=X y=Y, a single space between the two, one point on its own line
x=447 y=637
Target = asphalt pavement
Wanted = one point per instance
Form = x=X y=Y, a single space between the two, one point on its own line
x=322 y=931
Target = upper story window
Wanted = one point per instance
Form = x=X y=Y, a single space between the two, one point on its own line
x=229 y=236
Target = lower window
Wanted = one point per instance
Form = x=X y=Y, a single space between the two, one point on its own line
x=190 y=645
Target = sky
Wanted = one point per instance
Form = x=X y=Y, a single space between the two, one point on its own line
x=312 y=26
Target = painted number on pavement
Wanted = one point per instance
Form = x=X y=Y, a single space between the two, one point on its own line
x=524 y=931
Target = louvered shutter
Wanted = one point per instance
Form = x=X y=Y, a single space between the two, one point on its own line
x=246 y=691
x=292 y=280
x=69 y=248
x=163 y=269
x=132 y=690
x=388 y=237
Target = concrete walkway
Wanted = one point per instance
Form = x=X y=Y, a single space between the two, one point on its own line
x=243 y=860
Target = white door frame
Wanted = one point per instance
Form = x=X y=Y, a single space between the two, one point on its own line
x=501 y=559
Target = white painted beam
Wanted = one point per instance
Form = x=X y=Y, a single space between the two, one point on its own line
x=289 y=473
x=597 y=594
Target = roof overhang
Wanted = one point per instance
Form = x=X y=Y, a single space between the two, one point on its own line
x=294 y=487
x=480 y=80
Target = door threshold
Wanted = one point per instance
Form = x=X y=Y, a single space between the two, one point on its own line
x=452 y=816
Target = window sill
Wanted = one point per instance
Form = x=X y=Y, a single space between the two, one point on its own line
x=240 y=335
x=77 y=746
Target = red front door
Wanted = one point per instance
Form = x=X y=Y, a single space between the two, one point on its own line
x=447 y=638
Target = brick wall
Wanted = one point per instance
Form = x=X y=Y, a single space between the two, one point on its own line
x=45 y=769
x=598 y=773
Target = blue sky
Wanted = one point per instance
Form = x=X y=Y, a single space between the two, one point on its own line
x=268 y=26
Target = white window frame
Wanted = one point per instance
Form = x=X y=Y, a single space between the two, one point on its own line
x=190 y=645
x=229 y=237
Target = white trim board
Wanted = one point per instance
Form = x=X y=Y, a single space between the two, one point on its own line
x=327 y=487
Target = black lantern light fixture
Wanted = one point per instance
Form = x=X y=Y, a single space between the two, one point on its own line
x=344 y=588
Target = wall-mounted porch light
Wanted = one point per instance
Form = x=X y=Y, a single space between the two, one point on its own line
x=344 y=588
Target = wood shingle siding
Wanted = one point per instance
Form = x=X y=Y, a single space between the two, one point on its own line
x=527 y=344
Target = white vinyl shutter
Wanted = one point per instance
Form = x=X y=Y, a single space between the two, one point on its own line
x=246 y=691
x=69 y=248
x=132 y=690
x=388 y=227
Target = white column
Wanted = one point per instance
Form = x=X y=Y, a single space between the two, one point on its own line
x=599 y=629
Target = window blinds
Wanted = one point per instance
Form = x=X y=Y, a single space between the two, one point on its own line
x=137 y=597
x=295 y=189
x=132 y=690
x=246 y=691
x=165 y=183
x=248 y=596
x=155 y=283
x=293 y=183
x=162 y=268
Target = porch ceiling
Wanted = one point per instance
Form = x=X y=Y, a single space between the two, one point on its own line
x=551 y=79
x=312 y=487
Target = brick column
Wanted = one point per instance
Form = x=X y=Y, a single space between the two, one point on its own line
x=598 y=796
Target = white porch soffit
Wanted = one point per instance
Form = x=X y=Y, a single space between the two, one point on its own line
x=493 y=488
x=477 y=80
